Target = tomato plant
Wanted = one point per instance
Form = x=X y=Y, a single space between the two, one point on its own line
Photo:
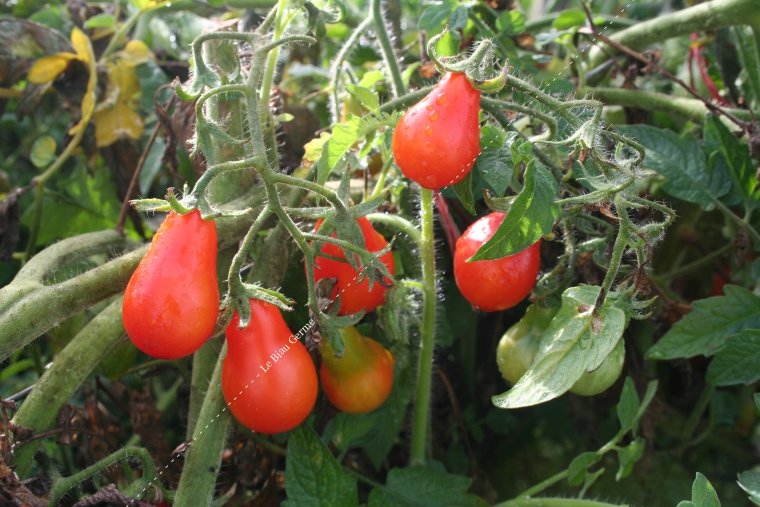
x=492 y=285
x=171 y=303
x=352 y=287
x=437 y=140
x=360 y=379
x=269 y=380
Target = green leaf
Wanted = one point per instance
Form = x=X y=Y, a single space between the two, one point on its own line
x=738 y=362
x=628 y=457
x=367 y=97
x=531 y=216
x=681 y=161
x=463 y=190
x=458 y=18
x=702 y=494
x=736 y=157
x=628 y=406
x=420 y=486
x=749 y=481
x=495 y=162
x=511 y=23
x=569 y=19
x=43 y=151
x=711 y=321
x=575 y=342
x=435 y=15
x=102 y=20
x=313 y=477
x=576 y=471
x=152 y=165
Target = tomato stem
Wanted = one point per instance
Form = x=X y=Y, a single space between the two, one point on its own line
x=420 y=419
x=389 y=55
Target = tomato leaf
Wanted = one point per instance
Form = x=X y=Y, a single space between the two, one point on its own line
x=531 y=215
x=630 y=408
x=736 y=157
x=749 y=481
x=576 y=471
x=463 y=190
x=421 y=486
x=495 y=161
x=628 y=457
x=313 y=477
x=706 y=328
x=736 y=363
x=576 y=341
x=702 y=494
x=682 y=162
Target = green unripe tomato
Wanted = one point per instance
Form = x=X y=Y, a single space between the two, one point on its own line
x=520 y=344
x=601 y=379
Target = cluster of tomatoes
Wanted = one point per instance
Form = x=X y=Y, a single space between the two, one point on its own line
x=269 y=381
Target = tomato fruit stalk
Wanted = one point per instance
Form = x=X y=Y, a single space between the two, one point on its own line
x=493 y=285
x=359 y=380
x=520 y=344
x=171 y=303
x=268 y=378
x=355 y=295
x=437 y=140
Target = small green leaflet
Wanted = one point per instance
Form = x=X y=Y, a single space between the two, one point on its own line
x=702 y=494
x=683 y=164
x=706 y=328
x=630 y=409
x=463 y=190
x=421 y=486
x=531 y=216
x=575 y=342
x=738 y=362
x=313 y=477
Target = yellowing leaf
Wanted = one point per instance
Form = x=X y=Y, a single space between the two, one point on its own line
x=136 y=52
x=313 y=149
x=115 y=122
x=47 y=68
x=88 y=106
x=123 y=80
x=81 y=44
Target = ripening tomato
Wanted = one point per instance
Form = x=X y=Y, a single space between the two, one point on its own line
x=355 y=295
x=437 y=140
x=268 y=378
x=520 y=344
x=171 y=303
x=361 y=379
x=498 y=284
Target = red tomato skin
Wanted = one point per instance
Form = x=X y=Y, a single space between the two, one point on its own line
x=268 y=378
x=361 y=379
x=498 y=284
x=171 y=303
x=354 y=296
x=437 y=140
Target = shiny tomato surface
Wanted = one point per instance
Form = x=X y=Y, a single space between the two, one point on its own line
x=268 y=378
x=171 y=303
x=361 y=379
x=497 y=284
x=437 y=140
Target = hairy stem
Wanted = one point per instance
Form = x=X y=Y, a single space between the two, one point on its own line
x=389 y=55
x=420 y=419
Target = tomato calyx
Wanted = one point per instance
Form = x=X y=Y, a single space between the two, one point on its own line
x=481 y=57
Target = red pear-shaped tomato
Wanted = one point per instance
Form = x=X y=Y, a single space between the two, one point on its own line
x=268 y=378
x=437 y=140
x=361 y=379
x=355 y=295
x=498 y=284
x=172 y=300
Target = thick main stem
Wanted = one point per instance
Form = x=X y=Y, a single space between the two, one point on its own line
x=425 y=364
x=699 y=18
x=389 y=55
